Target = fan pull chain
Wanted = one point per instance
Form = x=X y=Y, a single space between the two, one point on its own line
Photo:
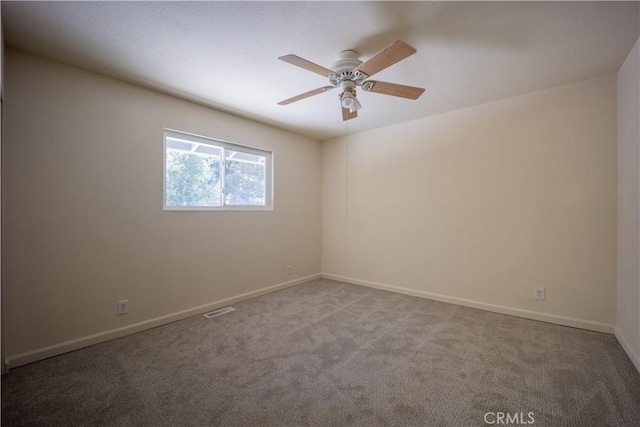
x=347 y=173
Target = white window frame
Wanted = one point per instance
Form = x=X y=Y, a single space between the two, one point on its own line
x=197 y=139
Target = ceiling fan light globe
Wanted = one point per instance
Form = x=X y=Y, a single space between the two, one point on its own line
x=347 y=102
x=356 y=106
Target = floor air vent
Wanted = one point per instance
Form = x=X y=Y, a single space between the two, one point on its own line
x=218 y=312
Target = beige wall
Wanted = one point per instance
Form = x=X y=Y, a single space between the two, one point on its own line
x=481 y=205
x=83 y=219
x=474 y=207
x=628 y=309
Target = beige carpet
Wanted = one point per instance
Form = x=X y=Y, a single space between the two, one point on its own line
x=327 y=353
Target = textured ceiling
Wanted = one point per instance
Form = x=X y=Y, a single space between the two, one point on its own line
x=224 y=54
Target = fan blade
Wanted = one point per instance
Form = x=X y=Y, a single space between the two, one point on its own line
x=395 y=52
x=393 y=89
x=307 y=65
x=305 y=95
x=347 y=115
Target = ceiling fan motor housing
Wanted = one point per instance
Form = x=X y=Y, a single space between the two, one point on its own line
x=347 y=61
x=344 y=68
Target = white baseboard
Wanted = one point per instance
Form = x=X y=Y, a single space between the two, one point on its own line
x=527 y=314
x=64 y=347
x=627 y=348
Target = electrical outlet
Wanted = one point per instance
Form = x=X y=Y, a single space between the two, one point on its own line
x=539 y=293
x=288 y=269
x=123 y=307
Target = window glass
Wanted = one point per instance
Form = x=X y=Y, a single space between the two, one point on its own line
x=244 y=179
x=209 y=174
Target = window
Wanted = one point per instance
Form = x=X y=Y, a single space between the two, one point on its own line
x=202 y=173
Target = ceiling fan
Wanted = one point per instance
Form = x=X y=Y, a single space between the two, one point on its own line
x=348 y=72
